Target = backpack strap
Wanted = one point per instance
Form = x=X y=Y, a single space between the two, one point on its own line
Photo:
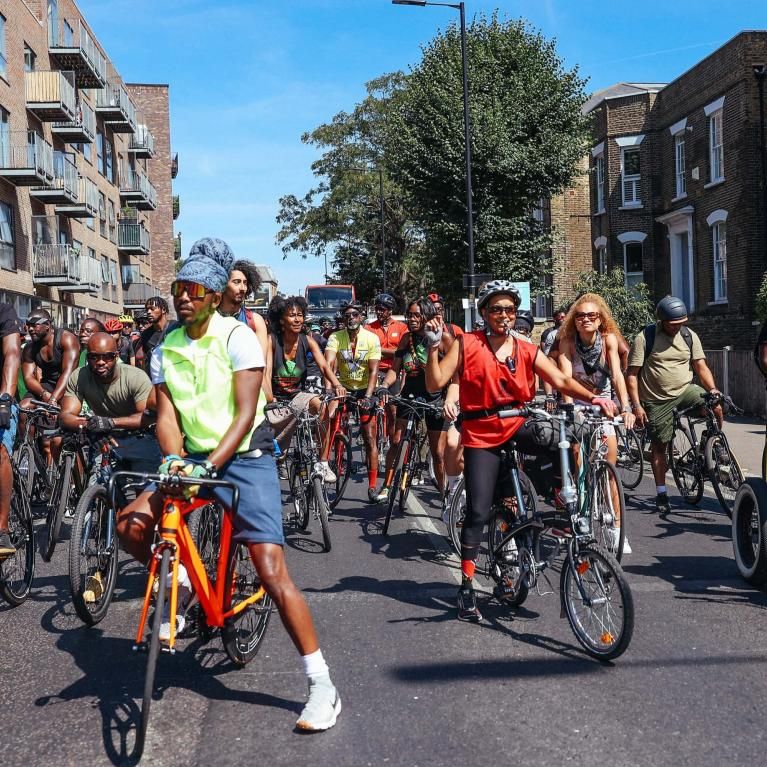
x=649 y=339
x=249 y=320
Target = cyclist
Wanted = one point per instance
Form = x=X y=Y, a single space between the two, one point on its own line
x=664 y=357
x=10 y=360
x=525 y=323
x=410 y=360
x=439 y=305
x=129 y=333
x=216 y=417
x=124 y=347
x=549 y=335
x=495 y=370
x=159 y=327
x=88 y=327
x=589 y=352
x=244 y=280
x=357 y=352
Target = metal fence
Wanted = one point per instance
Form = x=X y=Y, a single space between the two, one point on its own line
x=736 y=374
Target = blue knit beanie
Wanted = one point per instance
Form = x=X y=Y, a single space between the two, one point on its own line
x=208 y=263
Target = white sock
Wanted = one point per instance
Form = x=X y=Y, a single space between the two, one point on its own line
x=183 y=577
x=314 y=665
x=660 y=489
x=452 y=481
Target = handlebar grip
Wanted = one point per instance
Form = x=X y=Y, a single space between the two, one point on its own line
x=515 y=412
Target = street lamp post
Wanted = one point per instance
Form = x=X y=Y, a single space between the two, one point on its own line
x=467 y=140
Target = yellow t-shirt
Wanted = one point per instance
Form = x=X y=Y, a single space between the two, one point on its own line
x=353 y=367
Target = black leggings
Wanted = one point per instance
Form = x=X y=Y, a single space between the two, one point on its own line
x=481 y=467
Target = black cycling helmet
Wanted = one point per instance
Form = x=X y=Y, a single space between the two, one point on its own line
x=525 y=319
x=356 y=305
x=671 y=309
x=385 y=299
x=496 y=287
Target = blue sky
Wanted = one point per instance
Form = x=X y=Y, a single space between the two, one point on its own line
x=248 y=77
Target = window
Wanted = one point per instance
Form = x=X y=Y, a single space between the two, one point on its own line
x=112 y=221
x=3 y=53
x=102 y=215
x=679 y=162
x=632 y=263
x=7 y=244
x=92 y=253
x=105 y=277
x=100 y=152
x=87 y=152
x=600 y=173
x=5 y=139
x=631 y=176
x=602 y=259
x=718 y=223
x=716 y=149
x=113 y=279
x=108 y=168
x=130 y=274
x=91 y=223
x=29 y=59
x=53 y=21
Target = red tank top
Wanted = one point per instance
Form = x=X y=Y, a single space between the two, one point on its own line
x=487 y=383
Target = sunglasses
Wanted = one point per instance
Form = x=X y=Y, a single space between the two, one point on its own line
x=583 y=316
x=96 y=357
x=508 y=310
x=194 y=290
x=351 y=315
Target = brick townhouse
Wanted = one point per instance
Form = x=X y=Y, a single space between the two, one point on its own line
x=86 y=205
x=676 y=193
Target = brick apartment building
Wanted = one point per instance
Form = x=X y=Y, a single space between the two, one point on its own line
x=676 y=192
x=86 y=206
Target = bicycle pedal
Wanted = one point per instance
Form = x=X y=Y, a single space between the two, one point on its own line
x=140 y=647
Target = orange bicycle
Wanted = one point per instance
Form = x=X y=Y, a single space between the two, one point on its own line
x=227 y=586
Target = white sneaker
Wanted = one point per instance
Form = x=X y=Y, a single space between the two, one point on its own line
x=323 y=467
x=322 y=708
x=612 y=536
x=186 y=598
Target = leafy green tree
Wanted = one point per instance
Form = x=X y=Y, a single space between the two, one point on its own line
x=528 y=134
x=631 y=307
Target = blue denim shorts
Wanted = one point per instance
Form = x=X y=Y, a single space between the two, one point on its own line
x=8 y=436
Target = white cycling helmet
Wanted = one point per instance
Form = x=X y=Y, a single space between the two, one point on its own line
x=496 y=287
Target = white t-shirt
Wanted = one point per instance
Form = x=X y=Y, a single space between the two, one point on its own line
x=245 y=352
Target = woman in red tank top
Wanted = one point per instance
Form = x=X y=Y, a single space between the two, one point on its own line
x=495 y=369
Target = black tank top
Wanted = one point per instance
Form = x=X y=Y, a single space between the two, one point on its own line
x=288 y=376
x=50 y=369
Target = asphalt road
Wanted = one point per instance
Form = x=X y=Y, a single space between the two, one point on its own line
x=418 y=687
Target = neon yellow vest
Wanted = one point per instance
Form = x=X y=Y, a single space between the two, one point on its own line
x=200 y=380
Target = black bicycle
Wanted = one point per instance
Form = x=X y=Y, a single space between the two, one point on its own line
x=18 y=572
x=37 y=477
x=630 y=461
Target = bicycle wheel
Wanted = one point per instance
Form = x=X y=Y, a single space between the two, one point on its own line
x=685 y=466
x=394 y=492
x=58 y=505
x=630 y=461
x=382 y=439
x=724 y=471
x=24 y=463
x=456 y=515
x=93 y=557
x=320 y=503
x=749 y=531
x=408 y=475
x=341 y=463
x=154 y=649
x=608 y=508
x=298 y=495
x=241 y=634
x=602 y=618
x=17 y=572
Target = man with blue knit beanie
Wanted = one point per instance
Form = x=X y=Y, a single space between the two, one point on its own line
x=208 y=374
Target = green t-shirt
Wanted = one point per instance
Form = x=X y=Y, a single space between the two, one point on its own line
x=668 y=369
x=115 y=400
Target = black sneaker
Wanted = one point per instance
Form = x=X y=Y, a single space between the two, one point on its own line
x=373 y=495
x=662 y=505
x=7 y=549
x=467 y=605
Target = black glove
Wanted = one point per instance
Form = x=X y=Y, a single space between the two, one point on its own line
x=99 y=424
x=5 y=414
x=366 y=403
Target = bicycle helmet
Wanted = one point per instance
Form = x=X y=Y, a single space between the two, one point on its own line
x=113 y=326
x=126 y=318
x=356 y=305
x=524 y=321
x=495 y=288
x=385 y=299
x=671 y=309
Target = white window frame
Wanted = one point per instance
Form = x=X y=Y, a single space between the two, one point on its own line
x=714 y=112
x=679 y=166
x=7 y=236
x=717 y=221
x=599 y=165
x=632 y=238
x=629 y=143
x=3 y=47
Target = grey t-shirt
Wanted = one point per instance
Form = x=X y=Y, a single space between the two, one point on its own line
x=115 y=400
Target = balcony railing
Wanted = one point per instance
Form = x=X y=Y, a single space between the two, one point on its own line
x=51 y=95
x=71 y=47
x=63 y=266
x=26 y=160
x=136 y=294
x=174 y=166
x=137 y=189
x=115 y=107
x=132 y=238
x=142 y=142
x=81 y=129
x=176 y=206
x=63 y=189
x=86 y=204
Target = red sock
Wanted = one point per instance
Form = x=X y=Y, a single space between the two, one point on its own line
x=372 y=478
x=467 y=568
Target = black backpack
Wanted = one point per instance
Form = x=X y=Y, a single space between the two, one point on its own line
x=649 y=339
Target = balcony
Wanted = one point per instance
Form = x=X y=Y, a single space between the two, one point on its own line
x=72 y=48
x=176 y=206
x=63 y=189
x=51 y=95
x=26 y=160
x=136 y=294
x=81 y=129
x=114 y=106
x=174 y=166
x=177 y=247
x=137 y=190
x=132 y=238
x=142 y=143
x=86 y=203
x=63 y=266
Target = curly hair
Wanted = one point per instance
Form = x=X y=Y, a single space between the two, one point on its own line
x=608 y=324
x=250 y=270
x=281 y=304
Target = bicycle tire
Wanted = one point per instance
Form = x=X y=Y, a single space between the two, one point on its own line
x=321 y=507
x=298 y=496
x=392 y=499
x=603 y=581
x=241 y=635
x=685 y=467
x=153 y=650
x=382 y=439
x=341 y=463
x=89 y=526
x=18 y=572
x=630 y=460
x=24 y=463
x=58 y=505
x=456 y=515
x=749 y=531
x=603 y=513
x=724 y=471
